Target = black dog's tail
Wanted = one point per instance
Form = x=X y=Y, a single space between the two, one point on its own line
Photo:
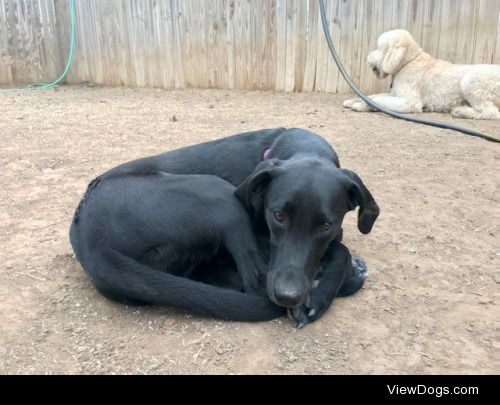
x=135 y=280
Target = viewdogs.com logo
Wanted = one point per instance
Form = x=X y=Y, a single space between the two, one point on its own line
x=433 y=391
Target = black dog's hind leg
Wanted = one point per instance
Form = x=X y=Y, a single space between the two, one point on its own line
x=355 y=280
x=220 y=272
x=339 y=275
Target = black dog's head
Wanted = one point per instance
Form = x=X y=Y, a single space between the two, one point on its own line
x=303 y=202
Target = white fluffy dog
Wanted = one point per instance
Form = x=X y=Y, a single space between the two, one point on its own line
x=423 y=83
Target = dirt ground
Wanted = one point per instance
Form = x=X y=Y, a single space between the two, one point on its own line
x=430 y=304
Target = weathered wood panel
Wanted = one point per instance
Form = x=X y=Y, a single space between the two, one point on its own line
x=233 y=44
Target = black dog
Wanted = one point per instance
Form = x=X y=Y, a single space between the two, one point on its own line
x=149 y=231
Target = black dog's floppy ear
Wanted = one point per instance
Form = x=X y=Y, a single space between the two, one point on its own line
x=251 y=191
x=359 y=195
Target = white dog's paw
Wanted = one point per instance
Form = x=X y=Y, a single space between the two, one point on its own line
x=349 y=103
x=488 y=113
x=361 y=106
x=463 y=112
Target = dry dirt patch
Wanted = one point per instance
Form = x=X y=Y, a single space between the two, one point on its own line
x=430 y=304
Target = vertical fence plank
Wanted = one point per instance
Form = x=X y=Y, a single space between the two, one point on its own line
x=448 y=30
x=416 y=20
x=49 y=39
x=238 y=40
x=495 y=58
x=311 y=46
x=281 y=44
x=261 y=36
x=255 y=65
x=291 y=43
x=368 y=43
x=179 y=62
x=201 y=28
x=465 y=35
x=357 y=42
x=231 y=56
x=336 y=25
x=431 y=28
x=21 y=44
x=188 y=50
x=220 y=26
x=484 y=43
x=210 y=17
x=6 y=57
x=322 y=55
x=347 y=22
x=300 y=44
x=271 y=44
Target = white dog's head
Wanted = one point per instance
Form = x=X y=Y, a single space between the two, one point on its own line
x=395 y=49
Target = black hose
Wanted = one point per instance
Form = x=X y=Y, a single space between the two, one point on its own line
x=378 y=107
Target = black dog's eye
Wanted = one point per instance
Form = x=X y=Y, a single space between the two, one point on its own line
x=279 y=216
x=325 y=226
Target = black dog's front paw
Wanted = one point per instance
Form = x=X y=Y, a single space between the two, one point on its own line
x=254 y=275
x=299 y=316
x=303 y=314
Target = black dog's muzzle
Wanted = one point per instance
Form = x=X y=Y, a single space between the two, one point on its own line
x=287 y=289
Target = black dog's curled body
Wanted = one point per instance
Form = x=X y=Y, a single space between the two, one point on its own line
x=239 y=228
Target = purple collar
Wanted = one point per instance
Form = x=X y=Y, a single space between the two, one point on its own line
x=266 y=153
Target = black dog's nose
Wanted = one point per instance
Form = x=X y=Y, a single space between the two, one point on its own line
x=288 y=297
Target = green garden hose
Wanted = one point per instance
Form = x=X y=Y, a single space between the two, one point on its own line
x=70 y=57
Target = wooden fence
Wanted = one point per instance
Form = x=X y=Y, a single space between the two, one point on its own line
x=233 y=44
